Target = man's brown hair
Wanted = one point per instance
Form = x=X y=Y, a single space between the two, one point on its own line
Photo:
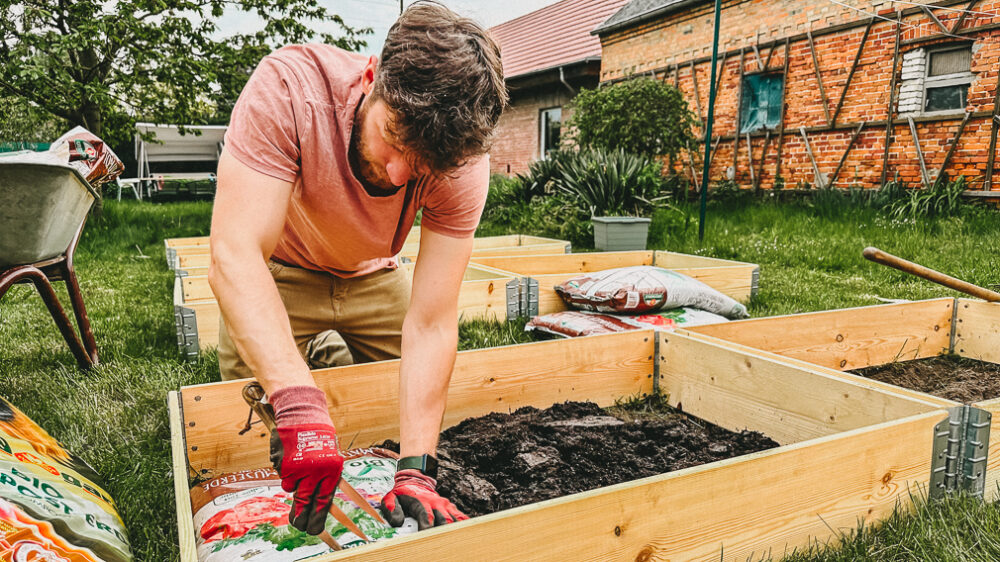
x=441 y=76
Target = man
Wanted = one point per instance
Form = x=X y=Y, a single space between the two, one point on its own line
x=329 y=155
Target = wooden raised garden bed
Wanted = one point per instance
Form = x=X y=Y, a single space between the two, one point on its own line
x=485 y=293
x=857 y=338
x=192 y=253
x=738 y=280
x=850 y=451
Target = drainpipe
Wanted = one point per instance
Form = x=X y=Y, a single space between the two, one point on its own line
x=562 y=78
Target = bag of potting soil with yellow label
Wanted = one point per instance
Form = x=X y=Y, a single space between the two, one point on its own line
x=52 y=505
x=244 y=515
x=642 y=289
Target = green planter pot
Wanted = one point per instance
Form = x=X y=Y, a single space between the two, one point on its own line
x=620 y=233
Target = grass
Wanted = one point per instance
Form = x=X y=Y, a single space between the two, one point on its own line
x=115 y=416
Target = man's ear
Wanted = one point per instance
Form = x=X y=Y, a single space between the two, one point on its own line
x=368 y=75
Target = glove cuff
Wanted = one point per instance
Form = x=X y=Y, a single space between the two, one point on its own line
x=297 y=405
x=413 y=477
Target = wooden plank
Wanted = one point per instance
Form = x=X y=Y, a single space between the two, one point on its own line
x=892 y=100
x=977 y=331
x=770 y=53
x=920 y=153
x=674 y=260
x=992 y=154
x=991 y=488
x=182 y=497
x=817 y=176
x=850 y=145
x=756 y=54
x=697 y=96
x=951 y=149
x=851 y=338
x=737 y=389
x=850 y=74
x=935 y=19
x=753 y=176
x=819 y=78
x=746 y=508
x=961 y=18
x=763 y=157
x=571 y=263
x=781 y=126
x=719 y=74
x=739 y=116
x=207 y=318
x=364 y=401
x=929 y=399
x=186 y=241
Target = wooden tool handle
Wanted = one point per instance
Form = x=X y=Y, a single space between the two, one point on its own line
x=878 y=256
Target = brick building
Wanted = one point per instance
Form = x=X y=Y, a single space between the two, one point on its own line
x=824 y=92
x=548 y=55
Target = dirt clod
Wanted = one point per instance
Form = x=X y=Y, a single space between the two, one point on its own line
x=500 y=461
x=947 y=376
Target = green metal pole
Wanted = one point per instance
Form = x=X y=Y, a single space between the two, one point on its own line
x=708 y=124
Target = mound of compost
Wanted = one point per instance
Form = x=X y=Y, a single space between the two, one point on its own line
x=500 y=461
x=948 y=376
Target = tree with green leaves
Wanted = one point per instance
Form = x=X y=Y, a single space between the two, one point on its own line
x=640 y=116
x=105 y=65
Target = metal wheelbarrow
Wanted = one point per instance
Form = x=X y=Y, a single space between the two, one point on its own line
x=43 y=208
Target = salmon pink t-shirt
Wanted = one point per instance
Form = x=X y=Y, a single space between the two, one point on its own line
x=293 y=122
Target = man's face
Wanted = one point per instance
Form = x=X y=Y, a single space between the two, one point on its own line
x=381 y=162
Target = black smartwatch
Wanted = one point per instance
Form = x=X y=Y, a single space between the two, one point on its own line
x=426 y=464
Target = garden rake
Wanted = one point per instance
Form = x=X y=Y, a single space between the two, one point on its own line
x=255 y=397
x=878 y=256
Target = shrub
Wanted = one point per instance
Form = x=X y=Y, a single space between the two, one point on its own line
x=610 y=183
x=943 y=198
x=639 y=116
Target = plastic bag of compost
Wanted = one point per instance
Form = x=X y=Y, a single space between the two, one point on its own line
x=642 y=289
x=244 y=515
x=575 y=323
x=80 y=149
x=52 y=505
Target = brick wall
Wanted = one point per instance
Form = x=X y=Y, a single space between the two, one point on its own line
x=516 y=143
x=683 y=37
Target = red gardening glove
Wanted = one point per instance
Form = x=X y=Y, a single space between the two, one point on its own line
x=305 y=453
x=414 y=495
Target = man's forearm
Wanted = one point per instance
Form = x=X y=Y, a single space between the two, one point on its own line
x=256 y=319
x=425 y=373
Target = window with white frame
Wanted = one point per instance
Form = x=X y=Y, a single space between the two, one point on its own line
x=936 y=80
x=550 y=121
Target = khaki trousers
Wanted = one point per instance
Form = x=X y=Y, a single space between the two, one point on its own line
x=334 y=321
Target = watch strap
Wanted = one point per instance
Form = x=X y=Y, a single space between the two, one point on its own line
x=426 y=464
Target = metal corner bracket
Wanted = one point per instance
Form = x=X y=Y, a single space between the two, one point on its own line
x=755 y=282
x=960 y=451
x=187 y=332
x=529 y=297
x=513 y=289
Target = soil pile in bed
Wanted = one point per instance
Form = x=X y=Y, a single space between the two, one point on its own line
x=500 y=461
x=948 y=376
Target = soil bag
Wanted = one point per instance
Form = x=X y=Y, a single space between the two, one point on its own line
x=643 y=289
x=575 y=323
x=80 y=149
x=52 y=504
x=244 y=515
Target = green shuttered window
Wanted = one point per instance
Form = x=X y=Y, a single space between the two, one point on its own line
x=760 y=105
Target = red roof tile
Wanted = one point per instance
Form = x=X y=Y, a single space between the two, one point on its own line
x=552 y=36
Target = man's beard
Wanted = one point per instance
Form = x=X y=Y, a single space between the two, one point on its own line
x=375 y=183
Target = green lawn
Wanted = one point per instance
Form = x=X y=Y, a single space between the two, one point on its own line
x=115 y=416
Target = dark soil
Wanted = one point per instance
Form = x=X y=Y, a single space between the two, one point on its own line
x=948 y=376
x=500 y=461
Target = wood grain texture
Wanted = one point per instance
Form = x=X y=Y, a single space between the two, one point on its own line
x=744 y=508
x=788 y=403
x=364 y=405
x=929 y=399
x=991 y=489
x=564 y=263
x=850 y=338
x=186 y=241
x=977 y=333
x=182 y=497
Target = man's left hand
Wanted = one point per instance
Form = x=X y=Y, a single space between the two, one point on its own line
x=415 y=495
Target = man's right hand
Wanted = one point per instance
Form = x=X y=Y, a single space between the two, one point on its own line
x=305 y=453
